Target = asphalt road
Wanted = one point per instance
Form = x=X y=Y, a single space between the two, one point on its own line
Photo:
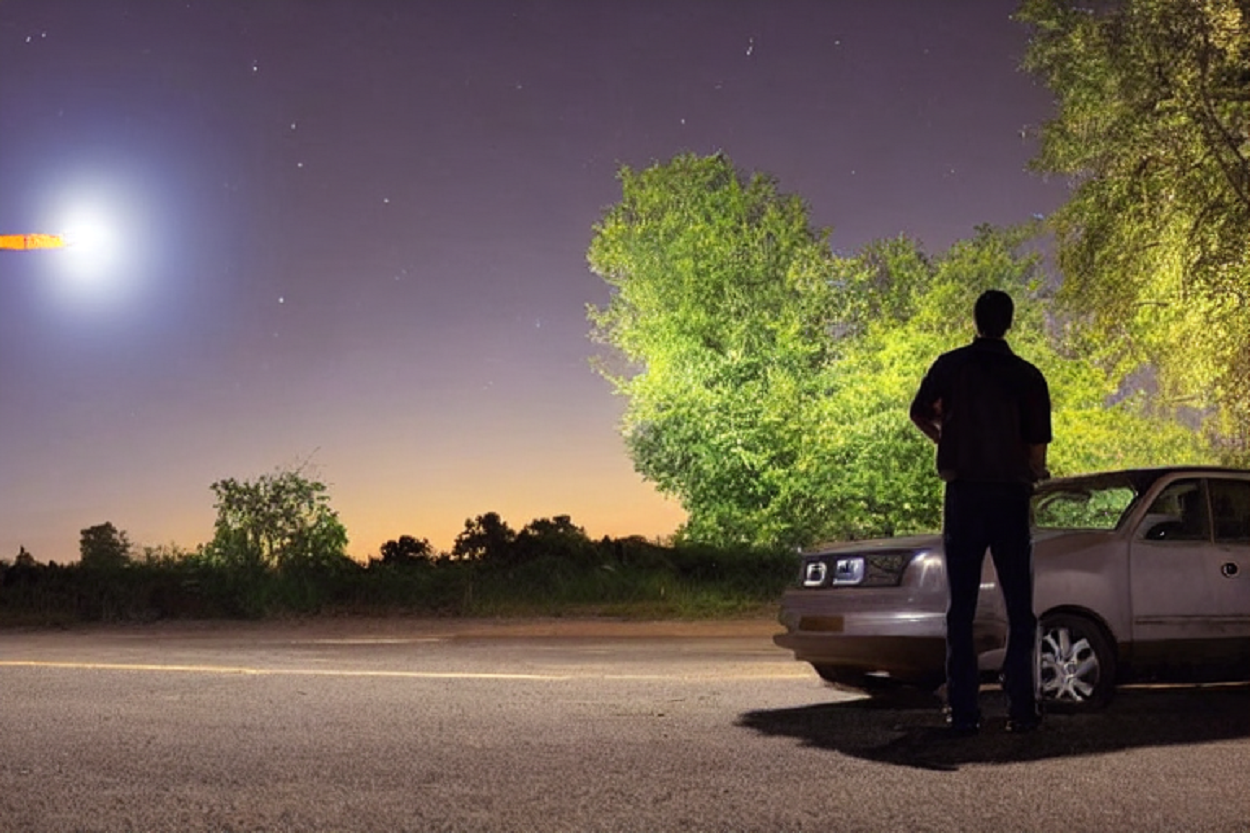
x=398 y=725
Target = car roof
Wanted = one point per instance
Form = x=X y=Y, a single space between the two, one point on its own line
x=1142 y=479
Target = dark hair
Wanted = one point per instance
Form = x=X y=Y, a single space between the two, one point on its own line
x=993 y=312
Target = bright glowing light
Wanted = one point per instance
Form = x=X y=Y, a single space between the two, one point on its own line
x=93 y=246
x=105 y=259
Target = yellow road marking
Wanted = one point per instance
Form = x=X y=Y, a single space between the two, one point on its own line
x=241 y=670
x=371 y=640
x=263 y=672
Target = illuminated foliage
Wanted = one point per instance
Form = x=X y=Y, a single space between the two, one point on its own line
x=1153 y=128
x=717 y=307
x=768 y=380
x=871 y=472
x=281 y=520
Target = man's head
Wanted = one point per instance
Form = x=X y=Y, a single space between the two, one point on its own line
x=992 y=313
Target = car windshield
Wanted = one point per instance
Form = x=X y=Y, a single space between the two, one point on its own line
x=1098 y=503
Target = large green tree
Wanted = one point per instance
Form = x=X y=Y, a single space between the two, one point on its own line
x=768 y=380
x=718 y=284
x=1153 y=128
x=868 y=470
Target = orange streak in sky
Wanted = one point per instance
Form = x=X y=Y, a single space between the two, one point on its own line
x=31 y=241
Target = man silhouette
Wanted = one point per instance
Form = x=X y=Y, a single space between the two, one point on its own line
x=988 y=410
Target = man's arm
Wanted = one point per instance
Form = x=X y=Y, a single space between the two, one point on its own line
x=930 y=426
x=1037 y=462
x=926 y=405
x=1040 y=429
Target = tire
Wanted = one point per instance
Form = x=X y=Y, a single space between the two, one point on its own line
x=1076 y=664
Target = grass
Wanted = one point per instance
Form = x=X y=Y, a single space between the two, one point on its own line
x=652 y=583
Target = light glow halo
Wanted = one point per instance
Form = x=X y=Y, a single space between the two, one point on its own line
x=92 y=243
x=104 y=261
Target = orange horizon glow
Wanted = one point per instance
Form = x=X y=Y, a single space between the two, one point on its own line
x=22 y=242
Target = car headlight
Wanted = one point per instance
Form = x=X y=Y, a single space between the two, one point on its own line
x=848 y=570
x=878 y=569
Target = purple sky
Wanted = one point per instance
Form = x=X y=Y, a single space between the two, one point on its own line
x=355 y=232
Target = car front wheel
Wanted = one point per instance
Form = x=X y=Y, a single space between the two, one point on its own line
x=1077 y=664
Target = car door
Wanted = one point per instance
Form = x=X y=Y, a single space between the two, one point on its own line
x=1230 y=522
x=1188 y=590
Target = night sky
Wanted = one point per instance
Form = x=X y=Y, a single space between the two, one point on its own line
x=352 y=235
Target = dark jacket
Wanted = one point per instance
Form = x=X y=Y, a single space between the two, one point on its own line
x=992 y=405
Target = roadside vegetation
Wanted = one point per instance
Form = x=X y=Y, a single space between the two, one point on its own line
x=279 y=550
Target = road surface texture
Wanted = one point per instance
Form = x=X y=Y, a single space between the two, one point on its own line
x=416 y=725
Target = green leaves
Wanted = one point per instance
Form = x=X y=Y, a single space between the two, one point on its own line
x=768 y=381
x=1153 y=128
x=719 y=306
x=281 y=520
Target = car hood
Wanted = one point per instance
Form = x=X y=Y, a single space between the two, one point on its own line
x=931 y=541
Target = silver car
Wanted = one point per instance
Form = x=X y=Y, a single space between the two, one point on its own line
x=1138 y=575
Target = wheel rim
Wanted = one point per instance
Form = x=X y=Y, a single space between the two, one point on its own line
x=1069 y=666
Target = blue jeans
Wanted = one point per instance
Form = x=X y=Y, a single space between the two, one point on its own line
x=976 y=517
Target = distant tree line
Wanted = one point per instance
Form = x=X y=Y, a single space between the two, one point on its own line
x=280 y=549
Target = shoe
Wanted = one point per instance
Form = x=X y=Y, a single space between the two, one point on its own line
x=962 y=730
x=963 y=727
x=1023 y=726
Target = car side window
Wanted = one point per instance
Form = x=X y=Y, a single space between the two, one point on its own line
x=1179 y=513
x=1230 y=510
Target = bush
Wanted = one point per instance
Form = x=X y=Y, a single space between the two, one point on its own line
x=556 y=571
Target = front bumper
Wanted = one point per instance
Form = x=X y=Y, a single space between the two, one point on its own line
x=906 y=646
x=902 y=635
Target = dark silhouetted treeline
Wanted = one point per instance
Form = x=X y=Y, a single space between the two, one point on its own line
x=549 y=567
